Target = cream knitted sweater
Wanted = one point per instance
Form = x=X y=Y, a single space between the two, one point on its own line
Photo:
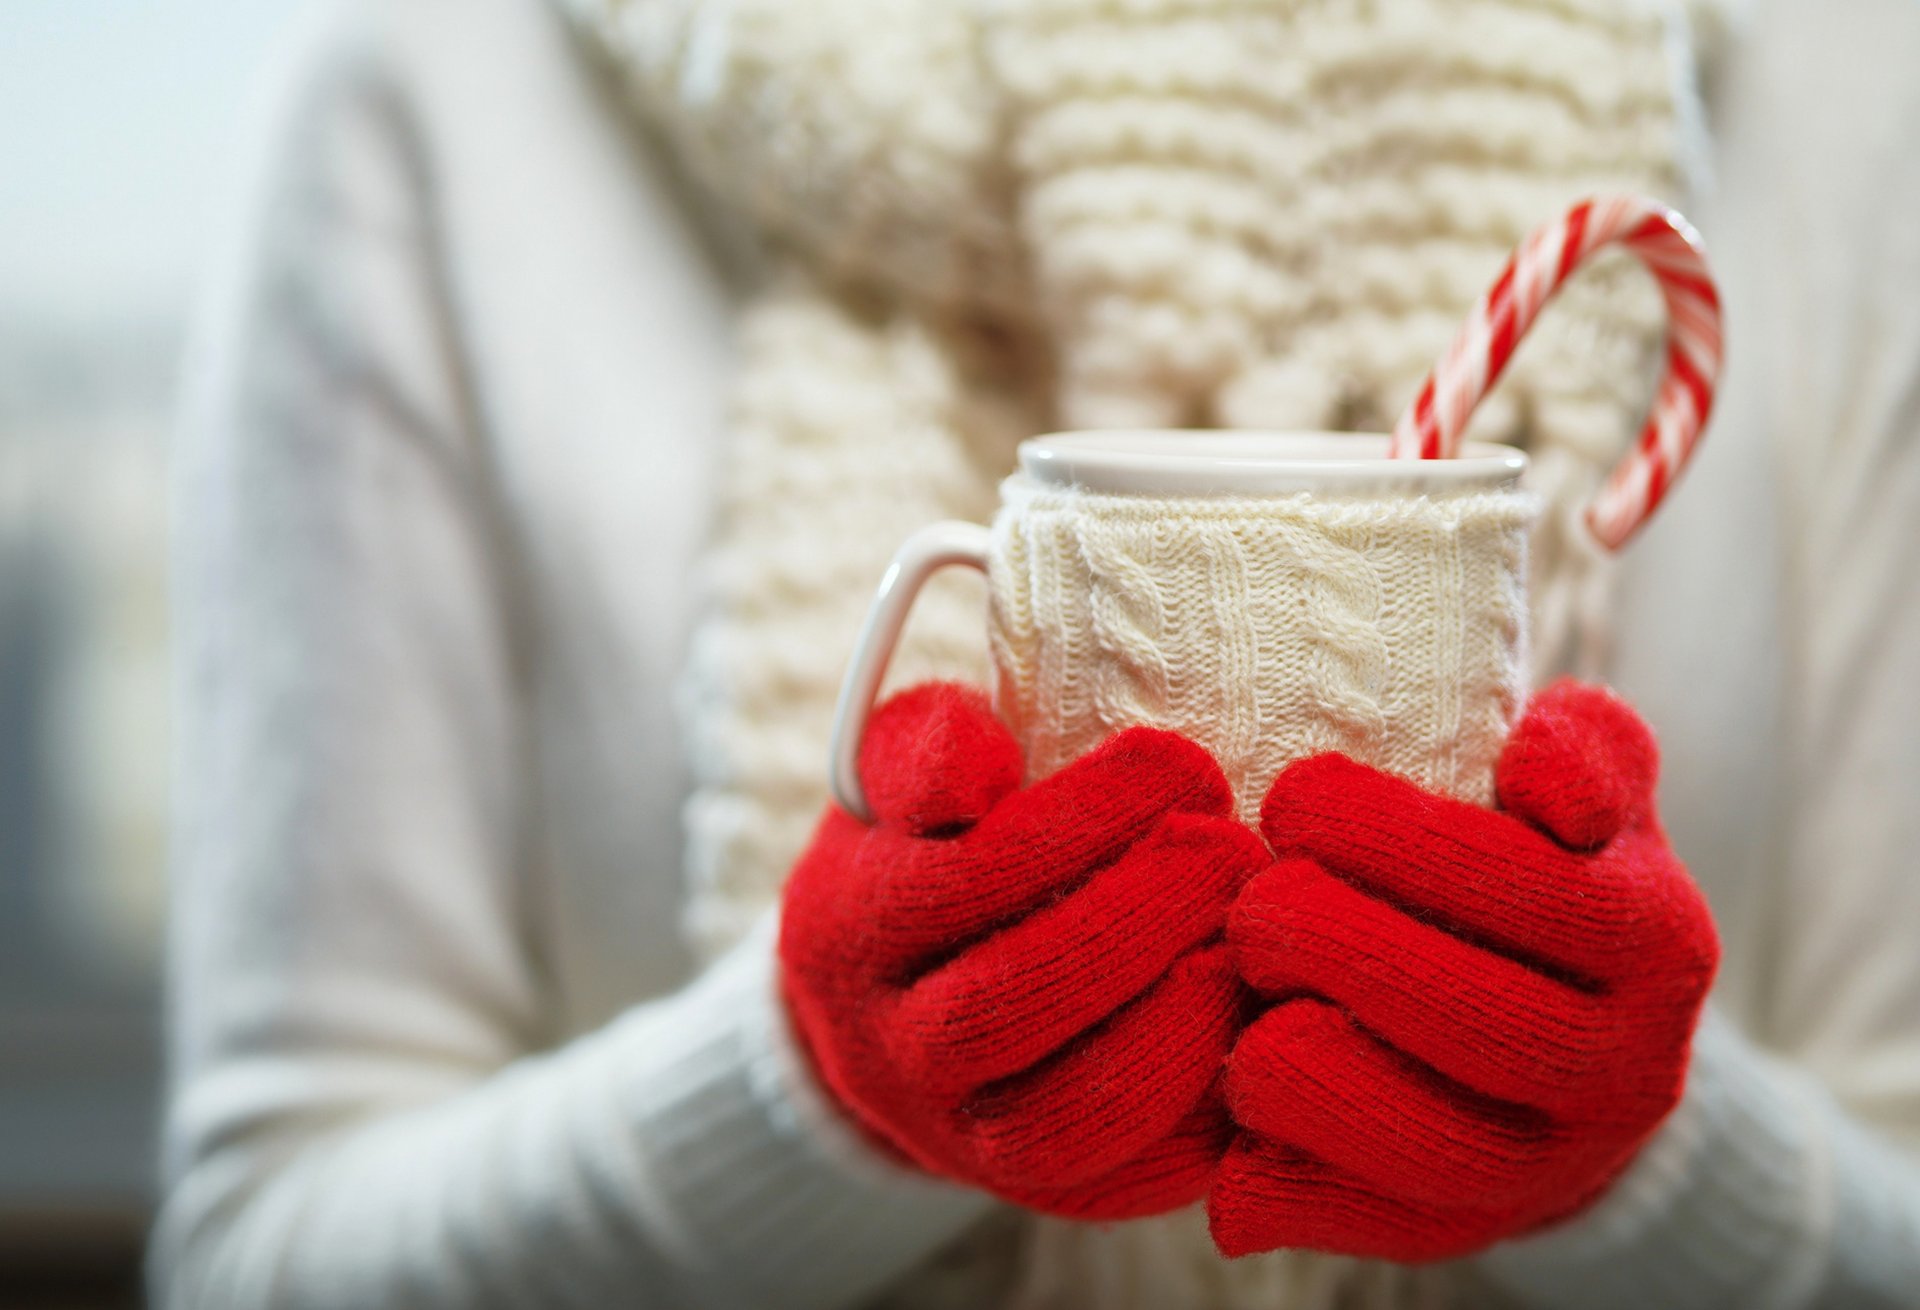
x=437 y=1039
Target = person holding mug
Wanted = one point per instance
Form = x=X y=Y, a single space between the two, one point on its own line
x=522 y=955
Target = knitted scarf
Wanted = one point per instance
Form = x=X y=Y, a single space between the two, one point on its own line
x=991 y=218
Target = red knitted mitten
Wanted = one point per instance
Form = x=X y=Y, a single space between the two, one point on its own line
x=1025 y=988
x=1479 y=1016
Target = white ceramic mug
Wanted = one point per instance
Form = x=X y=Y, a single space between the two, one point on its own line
x=1270 y=595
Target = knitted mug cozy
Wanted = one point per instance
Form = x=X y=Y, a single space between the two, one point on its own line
x=1389 y=627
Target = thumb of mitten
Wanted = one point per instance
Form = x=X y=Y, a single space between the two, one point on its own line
x=1580 y=764
x=935 y=758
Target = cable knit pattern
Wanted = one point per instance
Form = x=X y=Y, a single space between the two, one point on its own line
x=1444 y=131
x=1387 y=628
x=1274 y=215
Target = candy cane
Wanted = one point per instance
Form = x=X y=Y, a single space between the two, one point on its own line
x=1664 y=241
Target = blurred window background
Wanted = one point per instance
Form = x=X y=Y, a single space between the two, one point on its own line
x=120 y=124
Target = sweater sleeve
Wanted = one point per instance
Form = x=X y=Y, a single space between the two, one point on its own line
x=1759 y=1191
x=1790 y=1176
x=368 y=1106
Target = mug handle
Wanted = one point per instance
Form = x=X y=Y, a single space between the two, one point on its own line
x=920 y=556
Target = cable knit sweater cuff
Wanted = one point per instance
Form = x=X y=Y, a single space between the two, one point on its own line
x=1731 y=1203
x=751 y=1170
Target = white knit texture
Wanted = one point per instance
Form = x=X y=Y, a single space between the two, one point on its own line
x=1391 y=628
x=848 y=435
x=1246 y=213
x=1273 y=214
x=865 y=135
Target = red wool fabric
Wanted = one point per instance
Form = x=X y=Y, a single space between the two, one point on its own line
x=1477 y=1016
x=1026 y=988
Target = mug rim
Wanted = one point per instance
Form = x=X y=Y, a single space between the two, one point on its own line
x=1229 y=462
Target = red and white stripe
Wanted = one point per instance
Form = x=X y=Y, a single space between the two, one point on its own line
x=1432 y=426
